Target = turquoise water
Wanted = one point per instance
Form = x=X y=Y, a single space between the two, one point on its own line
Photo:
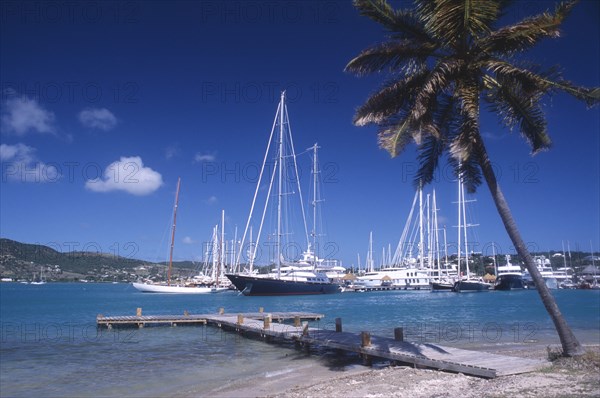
x=50 y=345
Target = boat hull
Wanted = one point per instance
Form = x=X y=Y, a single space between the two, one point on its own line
x=148 y=288
x=257 y=286
x=509 y=282
x=441 y=286
x=470 y=286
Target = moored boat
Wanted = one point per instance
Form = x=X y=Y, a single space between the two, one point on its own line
x=183 y=288
x=250 y=285
x=178 y=289
x=290 y=277
x=509 y=277
x=470 y=285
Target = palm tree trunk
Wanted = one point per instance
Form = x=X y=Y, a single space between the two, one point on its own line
x=570 y=344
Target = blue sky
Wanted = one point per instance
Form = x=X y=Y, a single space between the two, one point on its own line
x=96 y=95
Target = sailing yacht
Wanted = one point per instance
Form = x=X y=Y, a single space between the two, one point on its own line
x=42 y=280
x=188 y=288
x=467 y=283
x=290 y=277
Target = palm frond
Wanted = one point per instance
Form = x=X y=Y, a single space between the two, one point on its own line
x=395 y=135
x=444 y=73
x=430 y=151
x=454 y=22
x=403 y=24
x=388 y=100
x=525 y=34
x=517 y=105
x=468 y=168
x=462 y=148
x=591 y=96
x=399 y=55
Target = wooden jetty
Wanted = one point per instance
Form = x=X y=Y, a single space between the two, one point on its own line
x=273 y=327
x=186 y=318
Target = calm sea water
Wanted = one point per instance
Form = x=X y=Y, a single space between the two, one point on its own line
x=50 y=345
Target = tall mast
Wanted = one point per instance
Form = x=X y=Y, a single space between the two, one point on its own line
x=234 y=251
x=429 y=234
x=464 y=210
x=251 y=251
x=280 y=178
x=421 y=248
x=436 y=236
x=222 y=262
x=459 y=217
x=314 y=204
x=370 y=255
x=215 y=253
x=173 y=232
x=445 y=248
x=494 y=258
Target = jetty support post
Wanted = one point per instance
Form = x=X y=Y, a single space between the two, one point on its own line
x=365 y=341
x=305 y=328
x=399 y=334
x=338 y=325
x=267 y=322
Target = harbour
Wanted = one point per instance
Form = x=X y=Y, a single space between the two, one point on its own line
x=51 y=344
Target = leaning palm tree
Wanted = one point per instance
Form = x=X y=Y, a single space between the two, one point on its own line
x=445 y=58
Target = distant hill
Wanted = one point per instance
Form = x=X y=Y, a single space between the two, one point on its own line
x=24 y=260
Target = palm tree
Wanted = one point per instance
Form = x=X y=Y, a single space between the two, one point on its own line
x=445 y=58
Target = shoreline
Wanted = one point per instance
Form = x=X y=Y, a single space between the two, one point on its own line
x=562 y=377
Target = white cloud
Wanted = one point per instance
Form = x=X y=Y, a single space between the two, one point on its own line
x=188 y=241
x=22 y=115
x=127 y=174
x=19 y=163
x=98 y=118
x=205 y=157
x=211 y=200
x=172 y=151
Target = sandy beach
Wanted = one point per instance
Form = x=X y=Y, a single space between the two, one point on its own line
x=564 y=377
